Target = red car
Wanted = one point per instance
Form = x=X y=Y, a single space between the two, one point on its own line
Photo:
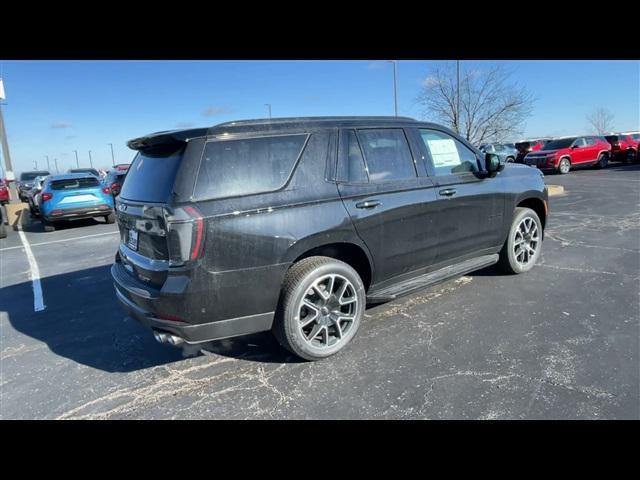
x=563 y=154
x=4 y=193
x=624 y=147
x=527 y=146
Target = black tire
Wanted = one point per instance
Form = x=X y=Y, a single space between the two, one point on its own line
x=111 y=218
x=632 y=156
x=510 y=160
x=509 y=262
x=48 y=226
x=3 y=230
x=603 y=161
x=297 y=286
x=564 y=166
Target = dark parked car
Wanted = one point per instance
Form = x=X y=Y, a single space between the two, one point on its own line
x=293 y=225
x=527 y=146
x=114 y=180
x=506 y=152
x=26 y=182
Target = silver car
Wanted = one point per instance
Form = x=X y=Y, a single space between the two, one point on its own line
x=506 y=151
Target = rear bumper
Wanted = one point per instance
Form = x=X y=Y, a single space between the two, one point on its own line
x=134 y=295
x=79 y=213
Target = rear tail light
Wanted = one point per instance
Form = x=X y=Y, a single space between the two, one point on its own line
x=114 y=186
x=185 y=234
x=46 y=196
x=106 y=190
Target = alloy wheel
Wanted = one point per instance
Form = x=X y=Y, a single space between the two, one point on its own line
x=526 y=241
x=327 y=311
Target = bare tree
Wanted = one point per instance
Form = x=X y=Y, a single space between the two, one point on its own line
x=490 y=108
x=600 y=121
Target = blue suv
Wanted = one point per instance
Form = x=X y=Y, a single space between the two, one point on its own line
x=74 y=196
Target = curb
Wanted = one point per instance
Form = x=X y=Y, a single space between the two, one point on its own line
x=555 y=190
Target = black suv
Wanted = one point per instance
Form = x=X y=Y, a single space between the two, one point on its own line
x=293 y=225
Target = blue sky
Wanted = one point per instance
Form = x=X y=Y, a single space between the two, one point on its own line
x=56 y=107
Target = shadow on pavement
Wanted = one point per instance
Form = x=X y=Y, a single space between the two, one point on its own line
x=34 y=224
x=84 y=322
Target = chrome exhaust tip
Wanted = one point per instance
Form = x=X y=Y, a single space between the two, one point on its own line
x=175 y=340
x=161 y=337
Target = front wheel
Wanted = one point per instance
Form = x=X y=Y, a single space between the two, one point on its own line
x=564 y=166
x=522 y=247
x=111 y=218
x=321 y=305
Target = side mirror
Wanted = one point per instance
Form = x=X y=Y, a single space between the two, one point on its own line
x=574 y=146
x=493 y=163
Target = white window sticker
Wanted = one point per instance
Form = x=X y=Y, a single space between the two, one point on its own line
x=444 y=153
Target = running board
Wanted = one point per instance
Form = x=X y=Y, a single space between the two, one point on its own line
x=431 y=278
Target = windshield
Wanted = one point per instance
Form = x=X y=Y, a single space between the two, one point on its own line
x=28 y=176
x=557 y=144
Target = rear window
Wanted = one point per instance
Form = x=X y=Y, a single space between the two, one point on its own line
x=245 y=166
x=611 y=138
x=152 y=174
x=74 y=183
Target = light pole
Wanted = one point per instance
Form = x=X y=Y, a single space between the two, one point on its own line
x=395 y=85
x=48 y=166
x=77 y=162
x=458 y=96
x=113 y=160
x=268 y=105
x=55 y=160
x=90 y=160
x=35 y=162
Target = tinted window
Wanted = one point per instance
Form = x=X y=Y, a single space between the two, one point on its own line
x=449 y=156
x=241 y=167
x=28 y=176
x=151 y=176
x=499 y=148
x=591 y=141
x=611 y=138
x=354 y=169
x=580 y=142
x=74 y=183
x=387 y=154
x=636 y=136
x=557 y=144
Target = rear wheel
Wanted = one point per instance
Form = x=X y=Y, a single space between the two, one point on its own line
x=632 y=156
x=321 y=305
x=510 y=160
x=522 y=247
x=564 y=166
x=111 y=218
x=3 y=230
x=603 y=161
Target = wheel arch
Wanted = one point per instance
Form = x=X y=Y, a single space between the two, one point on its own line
x=353 y=254
x=537 y=205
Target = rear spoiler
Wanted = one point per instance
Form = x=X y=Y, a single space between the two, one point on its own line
x=168 y=138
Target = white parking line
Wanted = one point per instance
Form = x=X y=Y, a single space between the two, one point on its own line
x=38 y=302
x=60 y=241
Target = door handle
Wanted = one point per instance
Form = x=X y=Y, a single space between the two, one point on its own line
x=368 y=204
x=448 y=192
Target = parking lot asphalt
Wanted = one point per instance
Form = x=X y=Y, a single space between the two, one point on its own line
x=559 y=342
